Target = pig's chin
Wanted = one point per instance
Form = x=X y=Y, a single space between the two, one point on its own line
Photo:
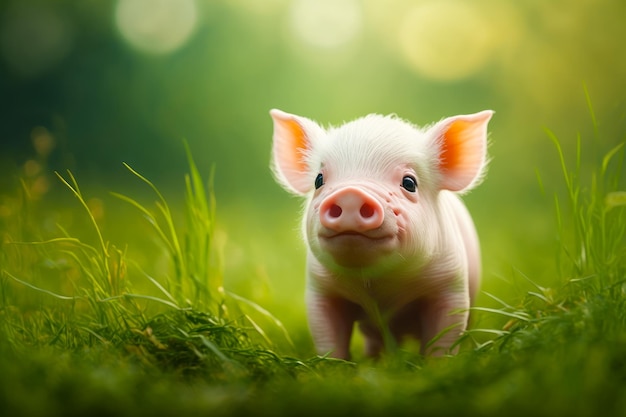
x=356 y=250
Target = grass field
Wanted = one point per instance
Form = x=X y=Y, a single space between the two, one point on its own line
x=93 y=327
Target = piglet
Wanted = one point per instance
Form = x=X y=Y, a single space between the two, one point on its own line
x=390 y=244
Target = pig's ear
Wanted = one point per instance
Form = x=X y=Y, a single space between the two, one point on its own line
x=291 y=151
x=462 y=145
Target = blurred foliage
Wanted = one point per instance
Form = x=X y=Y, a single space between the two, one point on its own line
x=87 y=85
x=106 y=95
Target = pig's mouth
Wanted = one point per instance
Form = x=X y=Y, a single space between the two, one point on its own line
x=354 y=249
x=355 y=236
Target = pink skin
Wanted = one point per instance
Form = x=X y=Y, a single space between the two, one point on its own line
x=400 y=261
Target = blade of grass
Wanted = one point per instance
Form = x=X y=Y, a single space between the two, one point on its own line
x=143 y=297
x=519 y=315
x=76 y=191
x=265 y=313
x=592 y=113
x=31 y=286
x=153 y=222
x=155 y=283
x=173 y=240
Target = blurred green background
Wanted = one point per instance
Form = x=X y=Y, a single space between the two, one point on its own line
x=86 y=85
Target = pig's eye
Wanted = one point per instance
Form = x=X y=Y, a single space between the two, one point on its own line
x=319 y=180
x=409 y=183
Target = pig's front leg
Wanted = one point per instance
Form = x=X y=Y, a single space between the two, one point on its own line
x=449 y=313
x=331 y=320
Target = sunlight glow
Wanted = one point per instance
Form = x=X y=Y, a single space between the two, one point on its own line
x=326 y=24
x=446 y=40
x=156 y=26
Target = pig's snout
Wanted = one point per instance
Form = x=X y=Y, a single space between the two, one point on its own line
x=351 y=209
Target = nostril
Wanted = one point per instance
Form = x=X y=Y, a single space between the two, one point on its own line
x=367 y=211
x=351 y=210
x=334 y=211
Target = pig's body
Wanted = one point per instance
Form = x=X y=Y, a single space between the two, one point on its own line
x=390 y=244
x=413 y=299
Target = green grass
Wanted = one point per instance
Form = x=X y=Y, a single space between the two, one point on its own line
x=83 y=327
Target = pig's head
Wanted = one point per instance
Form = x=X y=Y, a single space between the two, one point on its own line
x=373 y=184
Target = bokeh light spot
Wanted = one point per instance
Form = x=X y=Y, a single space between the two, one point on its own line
x=32 y=168
x=39 y=187
x=43 y=141
x=326 y=24
x=34 y=39
x=156 y=26
x=446 y=40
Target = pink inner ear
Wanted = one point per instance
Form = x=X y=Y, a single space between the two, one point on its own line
x=294 y=154
x=291 y=148
x=463 y=150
